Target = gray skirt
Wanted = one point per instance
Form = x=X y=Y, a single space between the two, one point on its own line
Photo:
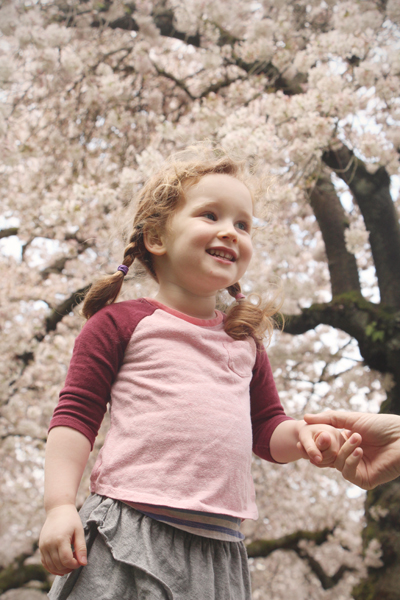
x=134 y=557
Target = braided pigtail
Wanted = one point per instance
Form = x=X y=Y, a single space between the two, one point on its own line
x=245 y=319
x=107 y=289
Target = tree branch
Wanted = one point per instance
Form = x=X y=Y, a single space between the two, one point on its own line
x=8 y=232
x=163 y=19
x=56 y=267
x=215 y=87
x=59 y=264
x=63 y=309
x=18 y=574
x=376 y=329
x=332 y=222
x=178 y=82
x=372 y=194
x=327 y=581
x=50 y=324
x=263 y=548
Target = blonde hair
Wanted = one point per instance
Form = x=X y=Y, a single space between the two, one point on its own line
x=157 y=202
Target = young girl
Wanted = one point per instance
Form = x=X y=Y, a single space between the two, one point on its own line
x=191 y=395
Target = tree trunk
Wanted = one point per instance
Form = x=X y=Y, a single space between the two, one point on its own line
x=382 y=512
x=332 y=222
x=383 y=583
x=375 y=327
x=372 y=194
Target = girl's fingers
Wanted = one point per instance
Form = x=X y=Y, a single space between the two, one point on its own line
x=59 y=560
x=65 y=556
x=311 y=450
x=80 y=551
x=51 y=563
x=59 y=567
x=47 y=562
x=323 y=441
x=301 y=450
x=56 y=551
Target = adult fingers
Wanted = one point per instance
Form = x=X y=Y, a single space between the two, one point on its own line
x=351 y=471
x=347 y=450
x=337 y=419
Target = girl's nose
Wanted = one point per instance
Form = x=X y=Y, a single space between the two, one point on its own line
x=228 y=233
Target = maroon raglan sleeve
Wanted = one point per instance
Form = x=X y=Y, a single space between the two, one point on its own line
x=97 y=357
x=266 y=408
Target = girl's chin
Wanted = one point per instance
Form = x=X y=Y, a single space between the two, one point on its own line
x=213 y=290
x=210 y=281
x=208 y=290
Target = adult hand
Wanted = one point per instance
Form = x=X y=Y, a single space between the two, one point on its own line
x=377 y=459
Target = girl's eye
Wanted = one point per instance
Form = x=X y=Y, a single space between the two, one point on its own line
x=242 y=225
x=210 y=216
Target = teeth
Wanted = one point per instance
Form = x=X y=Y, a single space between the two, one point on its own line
x=221 y=254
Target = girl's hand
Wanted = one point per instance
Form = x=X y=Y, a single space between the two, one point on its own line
x=62 y=530
x=320 y=444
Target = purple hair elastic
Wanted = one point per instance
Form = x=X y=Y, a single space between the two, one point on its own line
x=240 y=297
x=124 y=269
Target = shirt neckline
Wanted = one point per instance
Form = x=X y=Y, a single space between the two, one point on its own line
x=219 y=317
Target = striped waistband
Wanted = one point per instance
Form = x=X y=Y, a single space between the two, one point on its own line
x=217 y=527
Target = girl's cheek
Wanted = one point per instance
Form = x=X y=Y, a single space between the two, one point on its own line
x=250 y=250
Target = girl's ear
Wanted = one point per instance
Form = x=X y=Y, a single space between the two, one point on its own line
x=154 y=242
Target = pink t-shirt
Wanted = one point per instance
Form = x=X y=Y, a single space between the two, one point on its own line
x=188 y=405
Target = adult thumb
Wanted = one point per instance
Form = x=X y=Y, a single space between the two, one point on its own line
x=335 y=419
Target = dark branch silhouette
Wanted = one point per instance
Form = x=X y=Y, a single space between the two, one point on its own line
x=18 y=574
x=8 y=232
x=372 y=194
x=291 y=542
x=65 y=308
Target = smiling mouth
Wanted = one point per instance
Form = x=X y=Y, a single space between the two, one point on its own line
x=225 y=254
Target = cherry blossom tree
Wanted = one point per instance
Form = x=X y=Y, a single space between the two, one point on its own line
x=94 y=96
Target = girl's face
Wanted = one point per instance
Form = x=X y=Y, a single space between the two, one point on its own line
x=207 y=246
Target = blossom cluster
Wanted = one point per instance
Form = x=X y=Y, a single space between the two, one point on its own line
x=89 y=109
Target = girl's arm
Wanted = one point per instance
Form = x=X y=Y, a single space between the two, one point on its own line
x=292 y=440
x=67 y=452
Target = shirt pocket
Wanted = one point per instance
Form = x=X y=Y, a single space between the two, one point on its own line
x=241 y=356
